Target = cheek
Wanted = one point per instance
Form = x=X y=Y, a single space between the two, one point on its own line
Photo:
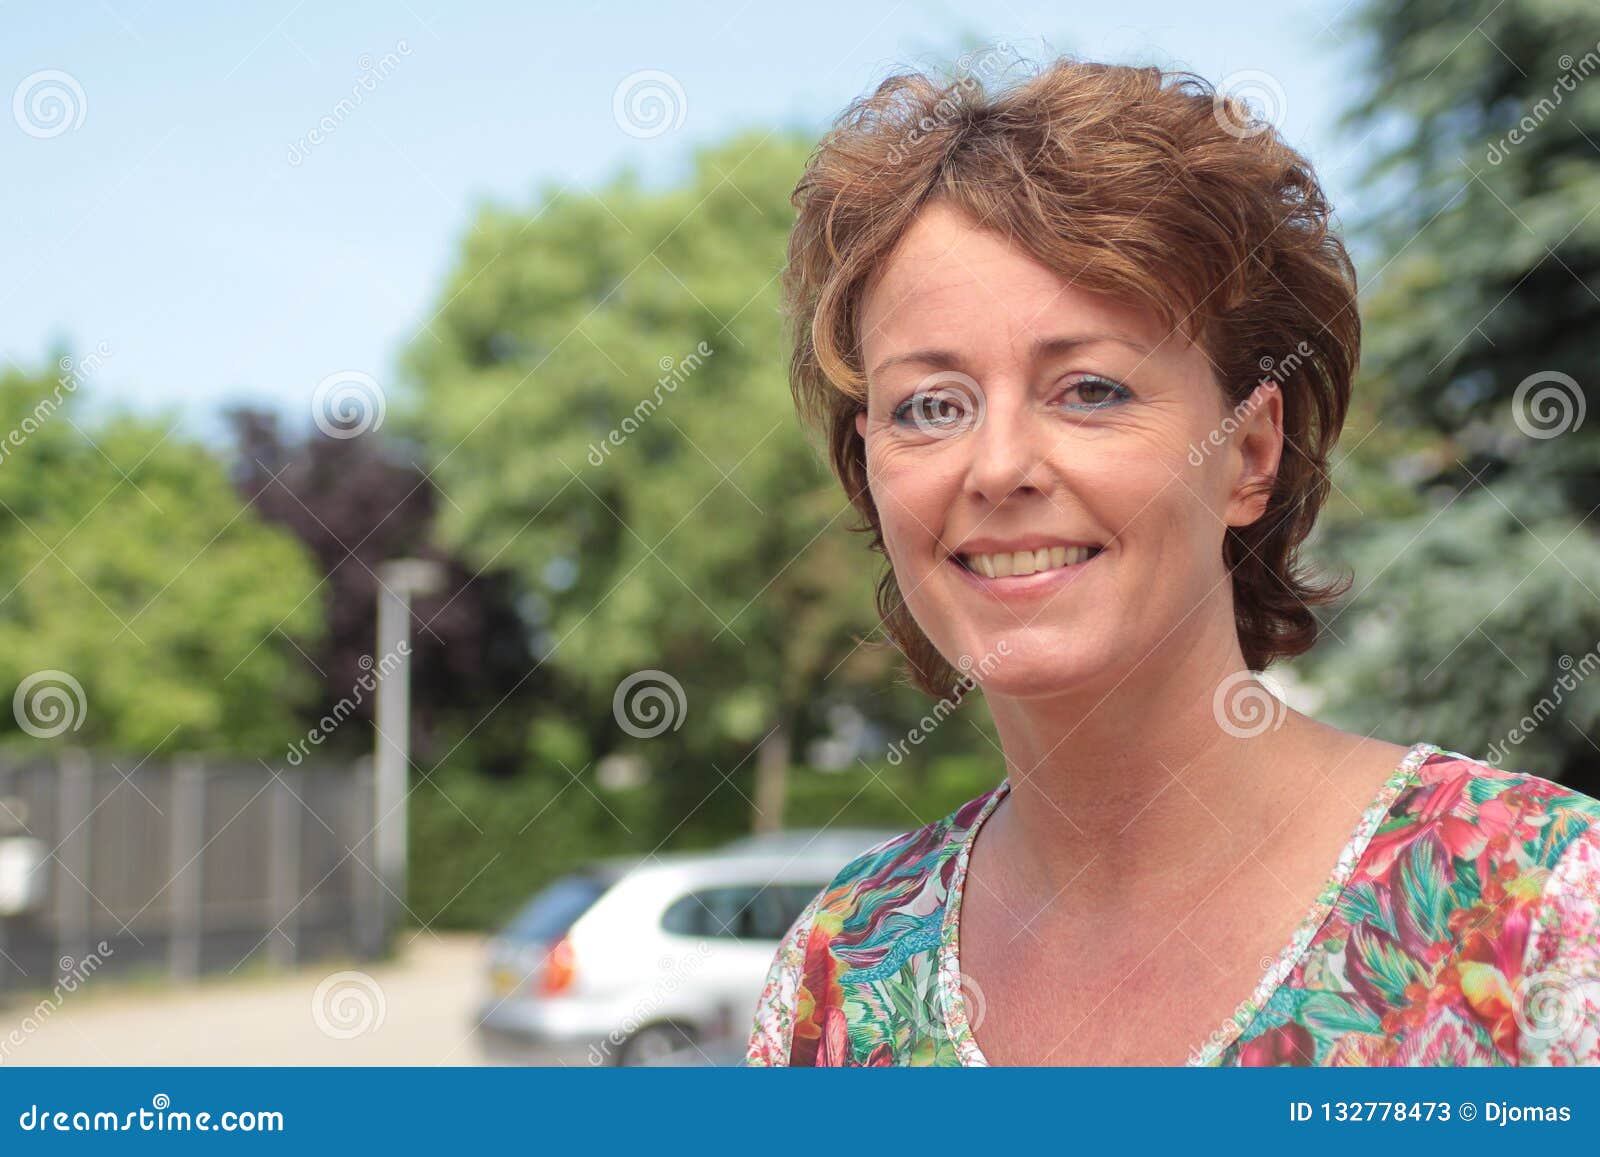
x=912 y=495
x=1156 y=504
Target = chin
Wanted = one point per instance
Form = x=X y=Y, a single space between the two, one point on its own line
x=1028 y=664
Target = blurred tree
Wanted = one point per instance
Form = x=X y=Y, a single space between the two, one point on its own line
x=604 y=397
x=356 y=503
x=129 y=568
x=1468 y=511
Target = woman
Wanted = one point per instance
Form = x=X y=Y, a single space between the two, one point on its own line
x=1081 y=349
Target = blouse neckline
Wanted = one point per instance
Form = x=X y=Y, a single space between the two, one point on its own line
x=952 y=983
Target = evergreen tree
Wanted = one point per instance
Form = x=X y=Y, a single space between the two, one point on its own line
x=1467 y=509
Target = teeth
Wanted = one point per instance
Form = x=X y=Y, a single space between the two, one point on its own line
x=1026 y=562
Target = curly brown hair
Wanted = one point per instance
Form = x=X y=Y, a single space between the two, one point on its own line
x=1151 y=187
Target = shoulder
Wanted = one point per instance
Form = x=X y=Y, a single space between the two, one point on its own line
x=1514 y=813
x=888 y=869
x=1500 y=871
x=884 y=904
x=1507 y=826
x=1467 y=816
x=1555 y=996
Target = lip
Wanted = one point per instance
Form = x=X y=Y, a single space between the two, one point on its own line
x=1028 y=586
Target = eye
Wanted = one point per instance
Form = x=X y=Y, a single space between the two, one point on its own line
x=946 y=403
x=1096 y=393
x=945 y=408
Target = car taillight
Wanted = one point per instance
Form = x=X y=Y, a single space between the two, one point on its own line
x=560 y=969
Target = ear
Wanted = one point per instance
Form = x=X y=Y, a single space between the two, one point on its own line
x=1257 y=448
x=861 y=424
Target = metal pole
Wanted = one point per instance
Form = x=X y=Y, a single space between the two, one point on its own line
x=397 y=582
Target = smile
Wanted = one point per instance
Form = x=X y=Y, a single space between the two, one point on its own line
x=1005 y=564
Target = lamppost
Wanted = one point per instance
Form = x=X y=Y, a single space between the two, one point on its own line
x=398 y=580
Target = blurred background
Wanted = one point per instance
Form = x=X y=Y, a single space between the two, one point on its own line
x=430 y=638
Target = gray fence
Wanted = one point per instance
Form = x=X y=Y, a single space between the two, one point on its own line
x=183 y=868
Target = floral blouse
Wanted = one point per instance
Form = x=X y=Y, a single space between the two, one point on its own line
x=1460 y=926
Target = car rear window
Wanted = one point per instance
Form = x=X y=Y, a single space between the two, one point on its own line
x=739 y=912
x=550 y=913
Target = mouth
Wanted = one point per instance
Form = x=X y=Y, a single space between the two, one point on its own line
x=1000 y=565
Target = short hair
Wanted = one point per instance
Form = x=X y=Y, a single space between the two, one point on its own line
x=1148 y=186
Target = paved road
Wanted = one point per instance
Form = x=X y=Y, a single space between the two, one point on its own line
x=413 y=1010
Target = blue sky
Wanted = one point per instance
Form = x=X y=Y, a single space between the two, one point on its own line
x=174 y=223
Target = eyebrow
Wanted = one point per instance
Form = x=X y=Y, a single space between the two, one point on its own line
x=1043 y=348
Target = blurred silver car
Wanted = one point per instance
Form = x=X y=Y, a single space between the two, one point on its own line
x=642 y=962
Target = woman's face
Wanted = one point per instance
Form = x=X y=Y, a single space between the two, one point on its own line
x=1054 y=472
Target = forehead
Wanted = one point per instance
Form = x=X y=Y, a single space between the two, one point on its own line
x=951 y=278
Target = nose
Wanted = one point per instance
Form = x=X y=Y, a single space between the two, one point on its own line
x=1006 y=450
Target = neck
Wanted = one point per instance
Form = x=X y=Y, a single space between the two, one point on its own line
x=1132 y=800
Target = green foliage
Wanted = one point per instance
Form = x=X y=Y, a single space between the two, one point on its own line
x=1476 y=568
x=1481 y=613
x=603 y=392
x=695 y=541
x=130 y=564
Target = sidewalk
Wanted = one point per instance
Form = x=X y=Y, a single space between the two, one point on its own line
x=413 y=1010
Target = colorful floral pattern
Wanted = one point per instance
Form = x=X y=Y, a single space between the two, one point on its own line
x=1460 y=926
